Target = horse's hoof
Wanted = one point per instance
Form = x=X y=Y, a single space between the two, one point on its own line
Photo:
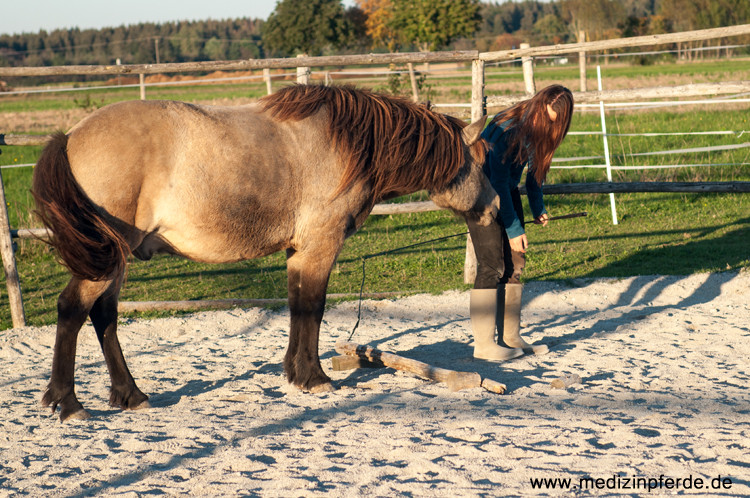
x=323 y=388
x=143 y=406
x=77 y=415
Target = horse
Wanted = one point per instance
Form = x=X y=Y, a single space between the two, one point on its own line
x=299 y=170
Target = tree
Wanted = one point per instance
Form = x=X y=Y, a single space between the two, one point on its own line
x=215 y=48
x=433 y=24
x=598 y=18
x=506 y=41
x=640 y=8
x=357 y=19
x=550 y=29
x=306 y=26
x=682 y=15
x=379 y=14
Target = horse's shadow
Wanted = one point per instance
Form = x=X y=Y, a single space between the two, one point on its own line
x=194 y=388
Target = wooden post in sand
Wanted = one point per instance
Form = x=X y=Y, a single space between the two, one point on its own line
x=9 y=264
x=455 y=380
x=478 y=111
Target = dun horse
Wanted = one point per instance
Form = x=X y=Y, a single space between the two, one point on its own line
x=299 y=171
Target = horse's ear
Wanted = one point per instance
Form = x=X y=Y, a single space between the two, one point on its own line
x=472 y=132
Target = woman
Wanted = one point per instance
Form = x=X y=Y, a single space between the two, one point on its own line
x=526 y=134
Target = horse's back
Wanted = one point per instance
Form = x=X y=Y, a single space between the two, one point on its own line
x=211 y=183
x=133 y=142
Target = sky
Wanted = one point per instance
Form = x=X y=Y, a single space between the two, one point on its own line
x=30 y=16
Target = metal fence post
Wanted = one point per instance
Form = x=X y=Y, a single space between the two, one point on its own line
x=606 y=146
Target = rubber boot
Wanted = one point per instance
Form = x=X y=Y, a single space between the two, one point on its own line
x=483 y=313
x=509 y=323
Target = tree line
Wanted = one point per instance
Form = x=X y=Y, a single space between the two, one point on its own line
x=321 y=27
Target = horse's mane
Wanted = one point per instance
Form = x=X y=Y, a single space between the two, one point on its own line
x=399 y=146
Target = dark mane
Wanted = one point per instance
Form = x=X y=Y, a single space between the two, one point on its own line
x=398 y=146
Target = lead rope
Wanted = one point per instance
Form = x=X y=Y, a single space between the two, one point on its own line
x=383 y=253
x=391 y=251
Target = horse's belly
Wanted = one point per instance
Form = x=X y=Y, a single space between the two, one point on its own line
x=212 y=244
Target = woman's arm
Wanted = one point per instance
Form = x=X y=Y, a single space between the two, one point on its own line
x=499 y=172
x=536 y=196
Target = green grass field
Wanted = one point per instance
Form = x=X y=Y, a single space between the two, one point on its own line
x=656 y=234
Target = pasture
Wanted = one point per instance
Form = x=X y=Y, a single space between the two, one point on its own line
x=657 y=233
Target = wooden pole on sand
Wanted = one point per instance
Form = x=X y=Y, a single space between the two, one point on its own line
x=455 y=380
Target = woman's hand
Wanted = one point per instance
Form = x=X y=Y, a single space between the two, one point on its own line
x=542 y=219
x=519 y=244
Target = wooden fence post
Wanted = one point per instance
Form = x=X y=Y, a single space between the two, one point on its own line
x=413 y=78
x=142 y=81
x=9 y=264
x=303 y=73
x=528 y=72
x=478 y=111
x=267 y=78
x=582 y=61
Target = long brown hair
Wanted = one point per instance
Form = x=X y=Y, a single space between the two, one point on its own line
x=85 y=241
x=394 y=144
x=530 y=128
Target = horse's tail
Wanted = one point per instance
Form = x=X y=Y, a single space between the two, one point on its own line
x=87 y=244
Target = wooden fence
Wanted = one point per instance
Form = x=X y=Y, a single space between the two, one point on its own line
x=479 y=103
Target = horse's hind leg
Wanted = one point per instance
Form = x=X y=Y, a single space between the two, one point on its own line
x=307 y=275
x=73 y=306
x=123 y=391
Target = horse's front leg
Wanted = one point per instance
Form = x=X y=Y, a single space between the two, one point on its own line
x=307 y=274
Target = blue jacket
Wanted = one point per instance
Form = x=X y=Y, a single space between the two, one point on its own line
x=505 y=175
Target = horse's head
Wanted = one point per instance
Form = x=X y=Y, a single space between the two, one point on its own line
x=470 y=193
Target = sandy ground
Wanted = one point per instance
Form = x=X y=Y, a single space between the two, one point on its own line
x=664 y=392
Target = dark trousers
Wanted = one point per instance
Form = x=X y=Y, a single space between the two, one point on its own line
x=496 y=262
